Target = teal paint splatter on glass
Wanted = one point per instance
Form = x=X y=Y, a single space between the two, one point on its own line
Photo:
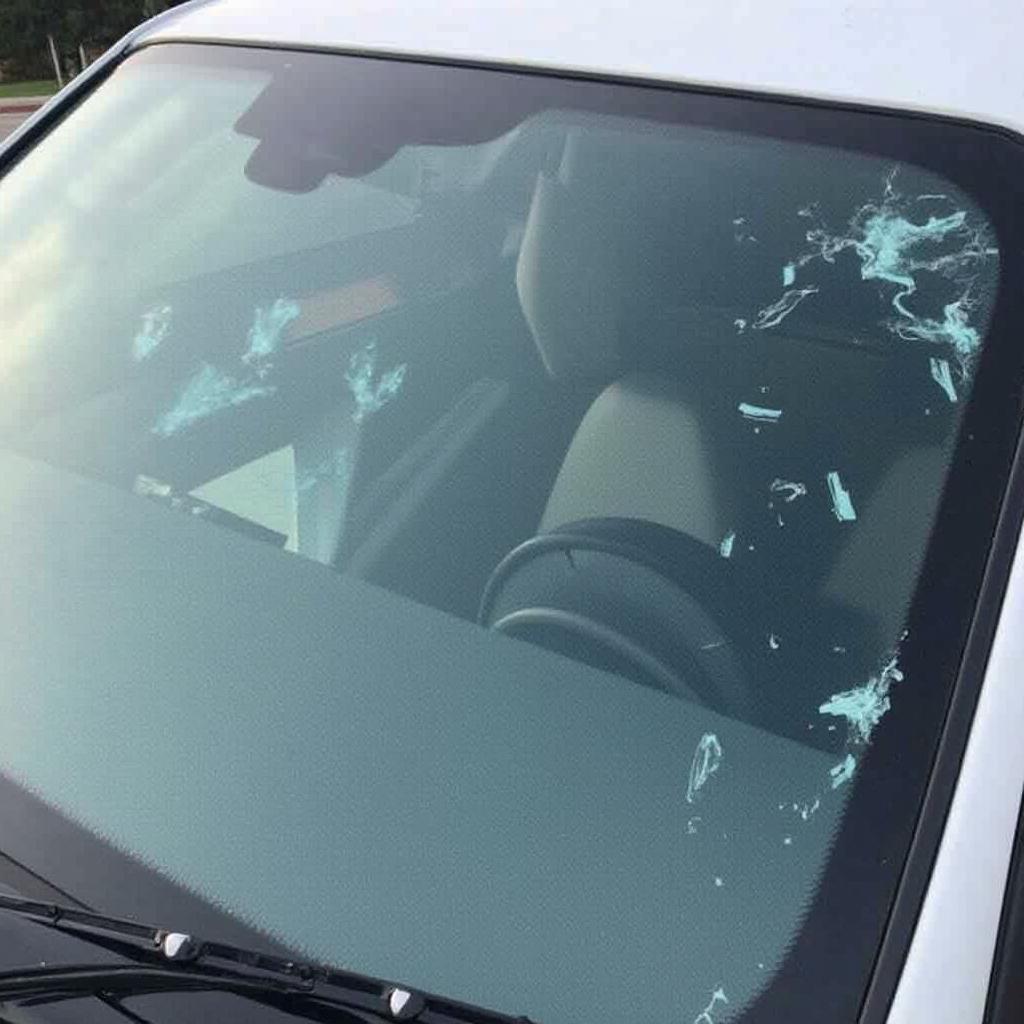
x=706 y=760
x=208 y=392
x=773 y=315
x=759 y=413
x=369 y=396
x=942 y=376
x=842 y=504
x=843 y=771
x=894 y=248
x=156 y=326
x=864 y=707
x=705 y=1015
x=265 y=334
x=788 y=275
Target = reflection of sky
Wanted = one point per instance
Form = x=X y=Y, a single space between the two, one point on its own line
x=142 y=185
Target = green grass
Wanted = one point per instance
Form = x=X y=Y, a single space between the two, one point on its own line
x=9 y=90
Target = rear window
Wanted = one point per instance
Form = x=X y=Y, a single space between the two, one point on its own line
x=713 y=397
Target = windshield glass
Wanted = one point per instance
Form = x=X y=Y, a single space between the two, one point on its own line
x=623 y=459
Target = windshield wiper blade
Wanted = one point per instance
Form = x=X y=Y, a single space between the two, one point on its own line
x=162 y=960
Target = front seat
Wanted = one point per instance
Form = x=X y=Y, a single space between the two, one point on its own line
x=611 y=579
x=626 y=571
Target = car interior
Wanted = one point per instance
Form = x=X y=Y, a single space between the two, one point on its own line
x=589 y=439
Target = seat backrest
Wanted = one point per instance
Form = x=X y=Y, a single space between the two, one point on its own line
x=666 y=440
x=641 y=452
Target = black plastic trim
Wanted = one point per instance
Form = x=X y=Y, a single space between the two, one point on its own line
x=1005 y=1003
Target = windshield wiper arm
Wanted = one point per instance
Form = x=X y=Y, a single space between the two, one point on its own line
x=162 y=960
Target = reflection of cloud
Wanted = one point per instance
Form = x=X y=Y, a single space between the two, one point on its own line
x=52 y=279
x=116 y=174
x=31 y=282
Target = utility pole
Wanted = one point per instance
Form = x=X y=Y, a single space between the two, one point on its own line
x=56 y=62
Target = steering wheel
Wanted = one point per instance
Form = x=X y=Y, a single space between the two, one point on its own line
x=632 y=597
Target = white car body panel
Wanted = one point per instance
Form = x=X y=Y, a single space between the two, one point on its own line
x=922 y=55
x=930 y=54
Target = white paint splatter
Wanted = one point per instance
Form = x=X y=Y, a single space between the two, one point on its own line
x=371 y=397
x=773 y=641
x=706 y=760
x=209 y=391
x=788 y=275
x=156 y=325
x=265 y=334
x=773 y=315
x=789 y=490
x=705 y=1015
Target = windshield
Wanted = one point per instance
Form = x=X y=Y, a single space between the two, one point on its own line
x=624 y=459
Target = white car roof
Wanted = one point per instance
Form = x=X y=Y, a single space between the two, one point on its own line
x=937 y=55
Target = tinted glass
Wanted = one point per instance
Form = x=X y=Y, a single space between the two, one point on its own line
x=684 y=389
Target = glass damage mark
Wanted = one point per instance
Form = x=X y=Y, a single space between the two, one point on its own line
x=265 y=334
x=773 y=642
x=719 y=881
x=706 y=760
x=156 y=325
x=210 y=391
x=895 y=250
x=691 y=825
x=773 y=315
x=843 y=771
x=864 y=706
x=371 y=397
x=942 y=376
x=759 y=413
x=842 y=504
x=728 y=542
x=706 y=1015
x=788 y=275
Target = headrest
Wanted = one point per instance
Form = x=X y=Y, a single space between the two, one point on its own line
x=569 y=275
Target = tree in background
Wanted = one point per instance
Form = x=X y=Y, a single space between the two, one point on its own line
x=91 y=24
